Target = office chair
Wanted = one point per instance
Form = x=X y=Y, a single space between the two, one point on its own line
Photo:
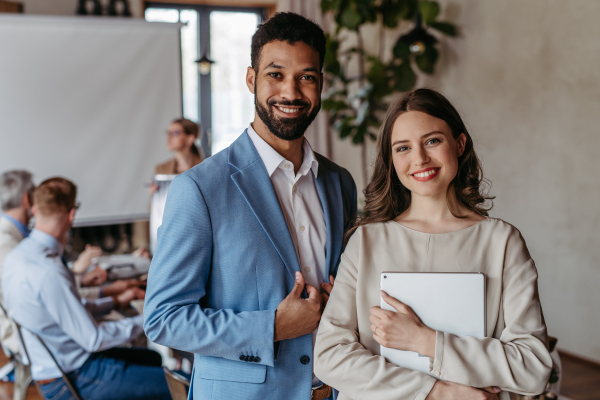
x=178 y=385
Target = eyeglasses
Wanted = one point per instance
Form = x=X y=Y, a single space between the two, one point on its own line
x=173 y=133
x=77 y=205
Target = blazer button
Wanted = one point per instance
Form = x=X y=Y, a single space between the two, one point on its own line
x=305 y=360
x=242 y=358
x=251 y=359
x=256 y=359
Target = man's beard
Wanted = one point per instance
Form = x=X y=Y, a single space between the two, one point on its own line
x=286 y=128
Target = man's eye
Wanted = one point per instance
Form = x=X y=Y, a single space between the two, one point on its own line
x=274 y=74
x=308 y=77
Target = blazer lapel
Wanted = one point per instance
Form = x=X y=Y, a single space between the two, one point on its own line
x=330 y=193
x=253 y=182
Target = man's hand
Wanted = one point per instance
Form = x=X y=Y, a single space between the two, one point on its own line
x=401 y=330
x=444 y=390
x=84 y=260
x=326 y=290
x=120 y=286
x=122 y=300
x=95 y=277
x=296 y=316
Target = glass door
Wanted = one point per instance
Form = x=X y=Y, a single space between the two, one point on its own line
x=220 y=100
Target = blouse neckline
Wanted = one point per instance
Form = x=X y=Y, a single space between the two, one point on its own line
x=443 y=233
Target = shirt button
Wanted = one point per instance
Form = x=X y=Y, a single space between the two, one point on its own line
x=305 y=360
x=287 y=166
x=301 y=228
x=306 y=269
x=294 y=188
x=436 y=372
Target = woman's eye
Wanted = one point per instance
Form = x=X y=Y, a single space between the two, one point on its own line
x=433 y=141
x=401 y=149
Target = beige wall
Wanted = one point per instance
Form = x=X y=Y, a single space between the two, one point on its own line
x=525 y=75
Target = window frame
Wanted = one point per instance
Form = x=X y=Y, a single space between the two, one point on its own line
x=204 y=81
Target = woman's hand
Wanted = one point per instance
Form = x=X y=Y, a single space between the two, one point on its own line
x=401 y=330
x=444 y=390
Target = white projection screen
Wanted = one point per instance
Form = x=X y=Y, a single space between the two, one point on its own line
x=89 y=99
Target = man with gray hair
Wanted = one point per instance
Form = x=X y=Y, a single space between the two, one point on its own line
x=16 y=199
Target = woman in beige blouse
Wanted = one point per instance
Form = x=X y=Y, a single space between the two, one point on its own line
x=425 y=211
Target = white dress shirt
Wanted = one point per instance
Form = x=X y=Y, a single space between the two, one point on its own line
x=301 y=206
x=40 y=294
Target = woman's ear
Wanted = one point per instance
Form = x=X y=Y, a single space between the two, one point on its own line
x=462 y=141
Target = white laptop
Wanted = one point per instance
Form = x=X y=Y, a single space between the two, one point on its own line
x=448 y=302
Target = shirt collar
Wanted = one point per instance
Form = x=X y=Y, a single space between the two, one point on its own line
x=21 y=226
x=47 y=241
x=272 y=159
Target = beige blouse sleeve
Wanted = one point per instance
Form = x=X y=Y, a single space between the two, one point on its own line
x=518 y=361
x=345 y=364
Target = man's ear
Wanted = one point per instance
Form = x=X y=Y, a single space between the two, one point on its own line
x=26 y=200
x=462 y=140
x=251 y=79
x=322 y=82
x=72 y=215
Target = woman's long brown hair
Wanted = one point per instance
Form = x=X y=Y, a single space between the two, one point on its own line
x=386 y=197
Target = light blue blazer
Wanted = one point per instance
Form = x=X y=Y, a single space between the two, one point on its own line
x=224 y=261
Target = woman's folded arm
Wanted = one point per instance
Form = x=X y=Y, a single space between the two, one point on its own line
x=518 y=361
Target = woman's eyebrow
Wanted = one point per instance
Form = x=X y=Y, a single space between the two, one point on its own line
x=422 y=137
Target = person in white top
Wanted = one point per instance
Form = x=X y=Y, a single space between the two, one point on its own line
x=427 y=211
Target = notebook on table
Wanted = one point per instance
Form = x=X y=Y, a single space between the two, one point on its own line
x=452 y=302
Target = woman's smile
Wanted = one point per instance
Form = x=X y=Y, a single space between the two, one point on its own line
x=426 y=174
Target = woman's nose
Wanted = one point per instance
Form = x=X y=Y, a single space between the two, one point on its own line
x=421 y=156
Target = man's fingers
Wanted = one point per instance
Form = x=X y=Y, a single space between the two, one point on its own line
x=331 y=279
x=313 y=293
x=298 y=285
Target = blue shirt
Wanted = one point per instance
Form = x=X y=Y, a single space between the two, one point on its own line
x=20 y=226
x=41 y=295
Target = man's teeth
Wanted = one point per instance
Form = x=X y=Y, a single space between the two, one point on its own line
x=288 y=110
x=425 y=174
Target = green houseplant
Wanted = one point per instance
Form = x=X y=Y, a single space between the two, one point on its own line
x=356 y=103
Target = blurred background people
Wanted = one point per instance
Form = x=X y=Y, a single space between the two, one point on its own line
x=181 y=138
x=40 y=293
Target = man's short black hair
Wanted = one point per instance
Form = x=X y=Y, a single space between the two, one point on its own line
x=288 y=27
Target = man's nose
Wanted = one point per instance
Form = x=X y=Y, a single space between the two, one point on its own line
x=290 y=89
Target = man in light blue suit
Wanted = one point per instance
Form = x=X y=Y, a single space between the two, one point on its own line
x=250 y=234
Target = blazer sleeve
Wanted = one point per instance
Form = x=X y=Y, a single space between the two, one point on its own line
x=344 y=363
x=177 y=283
x=518 y=361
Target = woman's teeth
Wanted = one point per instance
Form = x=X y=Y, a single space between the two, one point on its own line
x=425 y=174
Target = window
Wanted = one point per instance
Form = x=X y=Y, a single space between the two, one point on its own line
x=220 y=101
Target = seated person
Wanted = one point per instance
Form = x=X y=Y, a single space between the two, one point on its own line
x=16 y=199
x=41 y=295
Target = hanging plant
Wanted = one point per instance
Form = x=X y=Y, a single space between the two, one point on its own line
x=356 y=104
